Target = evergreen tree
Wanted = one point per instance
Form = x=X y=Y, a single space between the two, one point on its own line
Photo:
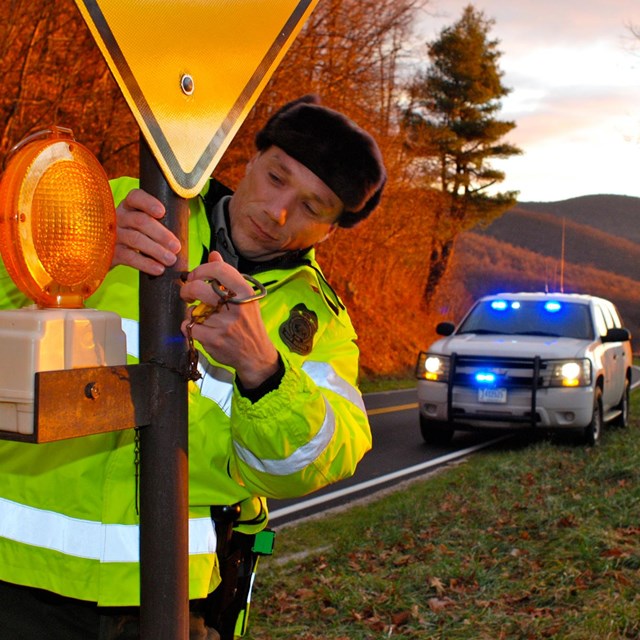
x=452 y=131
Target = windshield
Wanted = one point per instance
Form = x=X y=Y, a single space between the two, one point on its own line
x=532 y=318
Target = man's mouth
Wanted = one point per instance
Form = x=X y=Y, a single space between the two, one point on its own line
x=262 y=234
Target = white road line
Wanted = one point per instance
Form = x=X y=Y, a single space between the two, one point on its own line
x=334 y=495
x=312 y=502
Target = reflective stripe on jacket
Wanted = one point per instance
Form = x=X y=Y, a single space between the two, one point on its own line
x=68 y=519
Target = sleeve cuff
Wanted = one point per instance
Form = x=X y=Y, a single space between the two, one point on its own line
x=270 y=384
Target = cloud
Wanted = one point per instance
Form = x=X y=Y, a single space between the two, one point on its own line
x=555 y=21
x=575 y=92
x=564 y=113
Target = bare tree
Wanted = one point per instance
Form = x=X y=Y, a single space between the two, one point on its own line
x=54 y=74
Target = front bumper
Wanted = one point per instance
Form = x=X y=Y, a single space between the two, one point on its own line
x=549 y=407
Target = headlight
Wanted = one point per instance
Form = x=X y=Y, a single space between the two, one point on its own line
x=570 y=373
x=432 y=367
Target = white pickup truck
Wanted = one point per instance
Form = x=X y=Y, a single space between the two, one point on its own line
x=533 y=360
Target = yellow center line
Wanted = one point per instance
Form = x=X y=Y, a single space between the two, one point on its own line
x=399 y=407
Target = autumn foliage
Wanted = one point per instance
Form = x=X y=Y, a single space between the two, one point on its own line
x=348 y=53
x=356 y=54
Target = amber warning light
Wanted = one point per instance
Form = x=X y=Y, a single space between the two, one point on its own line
x=57 y=237
x=57 y=219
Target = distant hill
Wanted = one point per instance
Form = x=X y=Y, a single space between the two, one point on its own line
x=485 y=265
x=616 y=215
x=584 y=244
x=521 y=251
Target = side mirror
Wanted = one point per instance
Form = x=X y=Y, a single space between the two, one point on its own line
x=617 y=335
x=445 y=328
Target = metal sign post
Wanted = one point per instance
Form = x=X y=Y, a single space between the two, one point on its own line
x=164 y=536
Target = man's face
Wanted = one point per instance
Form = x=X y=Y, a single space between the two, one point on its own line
x=280 y=206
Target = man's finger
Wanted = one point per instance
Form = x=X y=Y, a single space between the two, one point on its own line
x=139 y=200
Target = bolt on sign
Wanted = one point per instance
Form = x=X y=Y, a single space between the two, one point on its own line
x=191 y=70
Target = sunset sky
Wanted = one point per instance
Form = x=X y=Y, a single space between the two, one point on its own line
x=574 y=71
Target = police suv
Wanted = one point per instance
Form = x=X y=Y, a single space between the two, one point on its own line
x=538 y=360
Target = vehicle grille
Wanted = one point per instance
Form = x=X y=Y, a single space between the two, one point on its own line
x=512 y=373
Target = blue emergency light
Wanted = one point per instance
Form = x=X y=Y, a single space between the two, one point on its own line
x=503 y=305
x=485 y=377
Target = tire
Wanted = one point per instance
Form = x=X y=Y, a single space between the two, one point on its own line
x=593 y=431
x=435 y=432
x=622 y=420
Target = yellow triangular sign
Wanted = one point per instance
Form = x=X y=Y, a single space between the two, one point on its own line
x=191 y=70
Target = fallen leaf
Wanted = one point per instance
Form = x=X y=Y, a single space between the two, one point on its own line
x=567 y=522
x=437 y=584
x=400 y=618
x=439 y=604
x=402 y=560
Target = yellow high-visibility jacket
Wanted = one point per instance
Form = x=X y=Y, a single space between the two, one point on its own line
x=68 y=518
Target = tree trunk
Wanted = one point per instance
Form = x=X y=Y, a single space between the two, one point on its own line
x=438 y=262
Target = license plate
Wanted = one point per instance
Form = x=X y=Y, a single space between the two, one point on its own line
x=492 y=395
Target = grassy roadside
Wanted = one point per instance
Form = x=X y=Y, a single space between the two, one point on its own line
x=387 y=383
x=537 y=540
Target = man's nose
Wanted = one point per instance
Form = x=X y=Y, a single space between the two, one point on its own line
x=278 y=212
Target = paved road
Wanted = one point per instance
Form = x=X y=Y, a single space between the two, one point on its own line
x=635 y=377
x=398 y=453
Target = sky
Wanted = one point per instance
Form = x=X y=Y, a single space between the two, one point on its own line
x=573 y=67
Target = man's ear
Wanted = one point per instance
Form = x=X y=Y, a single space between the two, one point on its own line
x=330 y=232
x=249 y=164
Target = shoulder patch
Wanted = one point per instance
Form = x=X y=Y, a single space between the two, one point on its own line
x=298 y=330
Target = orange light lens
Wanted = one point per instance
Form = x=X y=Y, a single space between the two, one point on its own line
x=57 y=221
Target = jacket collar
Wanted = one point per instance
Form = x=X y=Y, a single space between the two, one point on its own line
x=222 y=242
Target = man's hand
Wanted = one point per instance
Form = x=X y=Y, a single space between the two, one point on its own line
x=235 y=335
x=142 y=241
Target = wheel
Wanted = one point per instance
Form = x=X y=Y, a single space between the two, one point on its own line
x=593 y=431
x=622 y=420
x=435 y=432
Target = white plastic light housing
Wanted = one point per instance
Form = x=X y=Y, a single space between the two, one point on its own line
x=33 y=339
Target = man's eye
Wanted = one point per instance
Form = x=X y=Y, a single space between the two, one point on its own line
x=311 y=209
x=274 y=177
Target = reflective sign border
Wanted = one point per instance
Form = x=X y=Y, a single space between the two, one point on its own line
x=188 y=184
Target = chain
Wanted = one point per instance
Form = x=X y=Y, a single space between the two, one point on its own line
x=192 y=355
x=202 y=311
x=199 y=314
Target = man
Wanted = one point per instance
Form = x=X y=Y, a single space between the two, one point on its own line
x=276 y=412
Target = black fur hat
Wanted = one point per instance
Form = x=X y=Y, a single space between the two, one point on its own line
x=344 y=156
